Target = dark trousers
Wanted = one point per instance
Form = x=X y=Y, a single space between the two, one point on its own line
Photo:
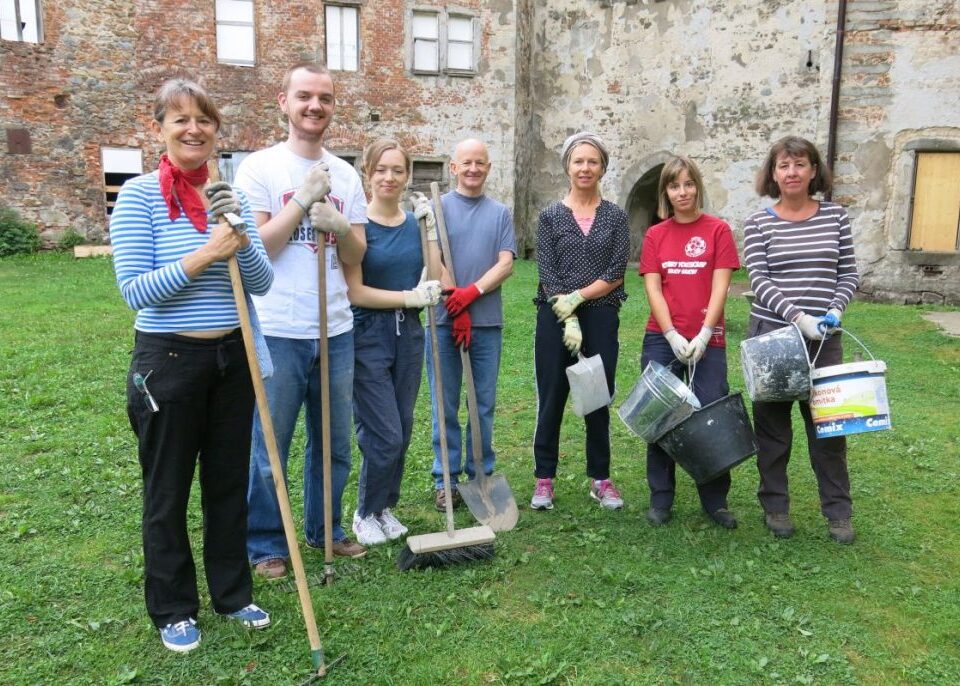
x=600 y=326
x=205 y=400
x=709 y=384
x=828 y=456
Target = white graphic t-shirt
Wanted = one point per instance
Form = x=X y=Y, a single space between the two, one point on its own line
x=291 y=308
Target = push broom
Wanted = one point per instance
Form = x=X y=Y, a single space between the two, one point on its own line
x=263 y=407
x=453 y=545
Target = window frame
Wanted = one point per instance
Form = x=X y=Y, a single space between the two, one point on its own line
x=252 y=24
x=341 y=5
x=917 y=155
x=19 y=24
x=444 y=16
x=113 y=189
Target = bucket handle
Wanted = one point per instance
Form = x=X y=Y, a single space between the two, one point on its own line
x=847 y=331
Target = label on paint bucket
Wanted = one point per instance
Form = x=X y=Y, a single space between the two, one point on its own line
x=849 y=399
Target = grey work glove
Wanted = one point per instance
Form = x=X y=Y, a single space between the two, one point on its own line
x=323 y=217
x=564 y=305
x=225 y=203
x=679 y=344
x=699 y=343
x=423 y=209
x=809 y=326
x=424 y=293
x=572 y=336
x=315 y=186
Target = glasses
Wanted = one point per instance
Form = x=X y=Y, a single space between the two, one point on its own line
x=140 y=383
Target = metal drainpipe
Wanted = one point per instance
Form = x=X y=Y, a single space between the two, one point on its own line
x=835 y=91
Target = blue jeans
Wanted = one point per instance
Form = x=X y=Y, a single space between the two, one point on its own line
x=295 y=382
x=389 y=363
x=485 y=362
x=709 y=384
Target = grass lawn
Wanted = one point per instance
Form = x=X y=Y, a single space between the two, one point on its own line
x=574 y=596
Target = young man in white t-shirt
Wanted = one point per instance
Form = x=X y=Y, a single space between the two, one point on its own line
x=309 y=206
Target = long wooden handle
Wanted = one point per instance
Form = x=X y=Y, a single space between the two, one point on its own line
x=438 y=391
x=476 y=440
x=273 y=454
x=321 y=238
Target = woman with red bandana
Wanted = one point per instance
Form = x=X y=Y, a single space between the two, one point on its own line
x=189 y=393
x=686 y=263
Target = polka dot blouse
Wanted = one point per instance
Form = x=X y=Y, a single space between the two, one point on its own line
x=568 y=260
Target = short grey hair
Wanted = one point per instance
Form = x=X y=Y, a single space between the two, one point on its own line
x=585 y=137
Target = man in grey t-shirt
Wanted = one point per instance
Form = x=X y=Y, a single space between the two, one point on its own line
x=482 y=246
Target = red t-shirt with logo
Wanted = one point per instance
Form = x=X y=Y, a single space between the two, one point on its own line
x=685 y=256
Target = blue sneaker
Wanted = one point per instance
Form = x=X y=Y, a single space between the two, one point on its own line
x=251 y=617
x=181 y=637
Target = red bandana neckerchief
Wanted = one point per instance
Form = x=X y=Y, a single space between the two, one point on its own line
x=178 y=184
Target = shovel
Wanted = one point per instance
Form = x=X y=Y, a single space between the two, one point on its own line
x=488 y=498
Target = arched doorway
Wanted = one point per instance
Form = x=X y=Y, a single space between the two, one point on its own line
x=642 y=208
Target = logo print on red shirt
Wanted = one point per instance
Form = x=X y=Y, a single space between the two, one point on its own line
x=695 y=247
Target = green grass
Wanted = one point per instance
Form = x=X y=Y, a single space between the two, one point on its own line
x=574 y=596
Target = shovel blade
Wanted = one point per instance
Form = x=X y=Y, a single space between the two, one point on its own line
x=490 y=501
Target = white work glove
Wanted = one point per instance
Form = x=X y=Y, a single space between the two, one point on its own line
x=564 y=305
x=315 y=186
x=698 y=344
x=831 y=321
x=809 y=326
x=324 y=217
x=679 y=344
x=572 y=336
x=224 y=203
x=423 y=209
x=423 y=294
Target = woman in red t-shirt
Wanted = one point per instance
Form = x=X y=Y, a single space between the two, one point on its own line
x=686 y=264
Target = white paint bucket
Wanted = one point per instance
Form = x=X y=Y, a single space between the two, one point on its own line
x=849 y=399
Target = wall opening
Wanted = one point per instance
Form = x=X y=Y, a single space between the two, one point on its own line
x=119 y=164
x=642 y=209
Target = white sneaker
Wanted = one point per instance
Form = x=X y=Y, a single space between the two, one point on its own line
x=368 y=530
x=390 y=525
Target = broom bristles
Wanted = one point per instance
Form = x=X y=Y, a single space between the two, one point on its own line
x=443 y=558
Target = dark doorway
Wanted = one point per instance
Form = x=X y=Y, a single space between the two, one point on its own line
x=642 y=209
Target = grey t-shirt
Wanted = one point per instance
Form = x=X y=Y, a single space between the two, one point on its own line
x=479 y=230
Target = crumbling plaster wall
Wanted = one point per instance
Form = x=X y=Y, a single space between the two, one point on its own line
x=900 y=94
x=102 y=62
x=717 y=81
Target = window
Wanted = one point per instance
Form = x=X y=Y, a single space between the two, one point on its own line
x=236 y=39
x=444 y=41
x=426 y=41
x=20 y=20
x=935 y=222
x=341 y=25
x=119 y=164
x=425 y=172
x=228 y=163
x=348 y=156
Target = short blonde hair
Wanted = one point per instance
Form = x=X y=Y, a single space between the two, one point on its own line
x=671 y=170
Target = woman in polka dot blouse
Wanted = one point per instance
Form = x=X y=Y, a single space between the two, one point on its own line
x=582 y=247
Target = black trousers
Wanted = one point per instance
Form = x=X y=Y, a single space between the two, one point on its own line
x=774 y=428
x=709 y=384
x=599 y=326
x=205 y=399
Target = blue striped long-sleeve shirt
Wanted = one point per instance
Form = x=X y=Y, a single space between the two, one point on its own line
x=147 y=253
x=800 y=266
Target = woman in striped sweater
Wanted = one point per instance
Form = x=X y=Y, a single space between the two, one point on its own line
x=799 y=254
x=189 y=394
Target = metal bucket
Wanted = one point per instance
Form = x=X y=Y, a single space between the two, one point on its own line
x=776 y=366
x=588 y=385
x=713 y=440
x=658 y=402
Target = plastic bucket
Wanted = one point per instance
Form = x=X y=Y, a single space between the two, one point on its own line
x=588 y=385
x=658 y=402
x=849 y=399
x=712 y=440
x=776 y=366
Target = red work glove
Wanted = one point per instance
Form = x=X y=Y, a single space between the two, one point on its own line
x=461 y=330
x=459 y=299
